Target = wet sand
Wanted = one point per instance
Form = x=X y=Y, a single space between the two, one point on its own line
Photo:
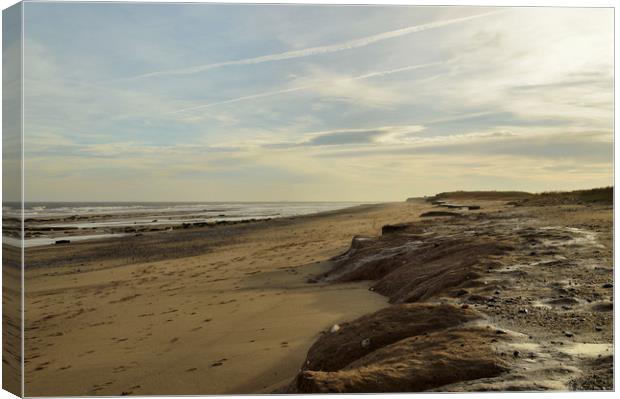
x=216 y=310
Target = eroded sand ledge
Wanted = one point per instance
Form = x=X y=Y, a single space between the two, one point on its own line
x=507 y=299
x=140 y=316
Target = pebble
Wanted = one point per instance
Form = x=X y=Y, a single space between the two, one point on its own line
x=608 y=285
x=366 y=343
x=335 y=328
x=568 y=334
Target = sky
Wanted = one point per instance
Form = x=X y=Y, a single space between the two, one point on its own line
x=194 y=102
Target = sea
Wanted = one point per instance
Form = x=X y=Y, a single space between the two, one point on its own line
x=125 y=214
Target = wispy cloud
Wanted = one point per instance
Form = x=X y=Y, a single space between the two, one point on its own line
x=312 y=85
x=311 y=51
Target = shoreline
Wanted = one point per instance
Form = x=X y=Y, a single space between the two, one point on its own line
x=39 y=232
x=195 y=239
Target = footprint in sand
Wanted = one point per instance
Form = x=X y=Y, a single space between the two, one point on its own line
x=219 y=362
x=42 y=366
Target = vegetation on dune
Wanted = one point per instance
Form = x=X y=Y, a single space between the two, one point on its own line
x=603 y=195
x=484 y=195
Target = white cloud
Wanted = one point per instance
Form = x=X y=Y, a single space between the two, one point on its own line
x=537 y=64
x=311 y=51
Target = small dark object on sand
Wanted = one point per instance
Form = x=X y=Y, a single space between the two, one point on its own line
x=608 y=285
x=63 y=242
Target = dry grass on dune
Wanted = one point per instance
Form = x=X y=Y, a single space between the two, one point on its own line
x=603 y=195
x=483 y=195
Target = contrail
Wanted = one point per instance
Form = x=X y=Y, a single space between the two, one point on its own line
x=307 y=52
x=309 y=86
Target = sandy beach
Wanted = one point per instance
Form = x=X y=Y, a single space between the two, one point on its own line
x=242 y=308
x=235 y=316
